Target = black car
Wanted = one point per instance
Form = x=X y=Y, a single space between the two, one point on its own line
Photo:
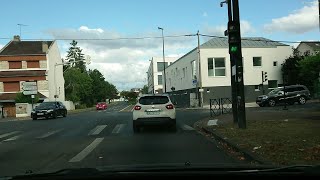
x=49 y=110
x=288 y=94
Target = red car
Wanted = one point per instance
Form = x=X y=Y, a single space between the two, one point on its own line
x=101 y=106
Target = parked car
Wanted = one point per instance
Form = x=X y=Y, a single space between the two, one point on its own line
x=49 y=110
x=101 y=106
x=289 y=94
x=154 y=110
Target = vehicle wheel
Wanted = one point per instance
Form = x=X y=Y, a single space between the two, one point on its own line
x=64 y=114
x=272 y=103
x=54 y=115
x=34 y=118
x=261 y=105
x=302 y=100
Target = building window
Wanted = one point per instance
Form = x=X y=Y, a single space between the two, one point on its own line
x=216 y=67
x=272 y=84
x=15 y=64
x=184 y=72
x=159 y=79
x=11 y=86
x=160 y=66
x=193 y=69
x=33 y=64
x=257 y=61
x=275 y=63
x=257 y=87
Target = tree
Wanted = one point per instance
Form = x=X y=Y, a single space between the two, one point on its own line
x=99 y=86
x=309 y=72
x=21 y=98
x=145 y=89
x=290 y=67
x=78 y=86
x=76 y=57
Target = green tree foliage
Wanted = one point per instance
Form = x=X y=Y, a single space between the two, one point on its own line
x=145 y=89
x=309 y=72
x=76 y=57
x=21 y=98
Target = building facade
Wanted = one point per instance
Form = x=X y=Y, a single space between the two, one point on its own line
x=259 y=55
x=312 y=47
x=25 y=61
x=155 y=73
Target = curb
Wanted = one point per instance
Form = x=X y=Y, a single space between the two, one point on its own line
x=248 y=155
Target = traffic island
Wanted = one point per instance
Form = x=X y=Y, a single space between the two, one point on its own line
x=286 y=140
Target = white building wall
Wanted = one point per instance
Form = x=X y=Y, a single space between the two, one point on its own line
x=252 y=75
x=53 y=57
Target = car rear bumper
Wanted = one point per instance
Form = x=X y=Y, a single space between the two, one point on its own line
x=154 y=121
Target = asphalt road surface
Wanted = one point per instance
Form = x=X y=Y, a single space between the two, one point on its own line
x=101 y=138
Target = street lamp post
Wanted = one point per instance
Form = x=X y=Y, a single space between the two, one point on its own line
x=164 y=62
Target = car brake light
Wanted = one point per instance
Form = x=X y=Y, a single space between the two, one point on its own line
x=137 y=107
x=170 y=106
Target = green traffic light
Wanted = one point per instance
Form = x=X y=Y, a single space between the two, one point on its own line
x=234 y=49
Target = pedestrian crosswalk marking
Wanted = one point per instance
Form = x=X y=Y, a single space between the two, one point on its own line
x=8 y=134
x=97 y=130
x=118 y=128
x=187 y=128
x=49 y=134
x=86 y=150
x=12 y=138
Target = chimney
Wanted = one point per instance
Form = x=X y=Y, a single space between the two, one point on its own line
x=44 y=46
x=16 y=38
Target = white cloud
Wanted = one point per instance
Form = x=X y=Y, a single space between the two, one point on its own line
x=123 y=62
x=205 y=14
x=299 y=21
x=246 y=29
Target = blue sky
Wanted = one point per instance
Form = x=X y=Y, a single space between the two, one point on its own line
x=290 y=20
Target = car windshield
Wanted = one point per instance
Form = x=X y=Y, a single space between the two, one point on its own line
x=158 y=83
x=275 y=91
x=150 y=100
x=46 y=105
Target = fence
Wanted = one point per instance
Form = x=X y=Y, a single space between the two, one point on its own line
x=220 y=106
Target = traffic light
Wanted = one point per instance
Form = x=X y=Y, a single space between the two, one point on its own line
x=264 y=76
x=234 y=37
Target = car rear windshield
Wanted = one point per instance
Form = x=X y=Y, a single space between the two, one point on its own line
x=149 y=100
x=46 y=105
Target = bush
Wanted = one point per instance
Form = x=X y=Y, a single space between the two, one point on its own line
x=21 y=98
x=80 y=106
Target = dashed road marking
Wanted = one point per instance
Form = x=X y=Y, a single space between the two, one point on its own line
x=49 y=134
x=187 y=128
x=97 y=130
x=8 y=134
x=12 y=138
x=124 y=108
x=118 y=128
x=86 y=150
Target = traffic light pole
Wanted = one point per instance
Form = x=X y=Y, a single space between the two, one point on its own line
x=235 y=52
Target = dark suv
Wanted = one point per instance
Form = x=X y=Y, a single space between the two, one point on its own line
x=289 y=94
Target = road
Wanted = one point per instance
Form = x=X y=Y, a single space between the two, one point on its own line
x=101 y=138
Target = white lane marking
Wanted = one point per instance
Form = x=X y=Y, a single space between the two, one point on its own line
x=99 y=111
x=86 y=150
x=50 y=133
x=12 y=138
x=124 y=108
x=118 y=128
x=187 y=128
x=8 y=134
x=97 y=130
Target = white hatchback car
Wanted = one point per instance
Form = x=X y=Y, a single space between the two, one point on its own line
x=154 y=109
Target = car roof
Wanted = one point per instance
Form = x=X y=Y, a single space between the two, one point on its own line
x=145 y=95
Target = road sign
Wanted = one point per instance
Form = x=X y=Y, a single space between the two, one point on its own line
x=29 y=88
x=33 y=83
x=194 y=82
x=201 y=90
x=30 y=92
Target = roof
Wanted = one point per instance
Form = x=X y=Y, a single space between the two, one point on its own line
x=246 y=42
x=28 y=73
x=10 y=97
x=315 y=45
x=24 y=48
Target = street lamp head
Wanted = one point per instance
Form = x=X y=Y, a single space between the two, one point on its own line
x=221 y=4
x=160 y=28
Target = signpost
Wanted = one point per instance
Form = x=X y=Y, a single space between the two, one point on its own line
x=30 y=88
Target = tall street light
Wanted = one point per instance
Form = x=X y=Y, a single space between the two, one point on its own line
x=164 y=62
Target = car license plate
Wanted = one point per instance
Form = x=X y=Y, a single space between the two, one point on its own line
x=39 y=113
x=153 y=113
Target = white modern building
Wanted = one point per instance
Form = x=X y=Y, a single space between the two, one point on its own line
x=259 y=54
x=30 y=61
x=155 y=79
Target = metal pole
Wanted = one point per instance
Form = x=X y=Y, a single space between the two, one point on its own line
x=200 y=81
x=240 y=81
x=262 y=88
x=164 y=62
x=284 y=93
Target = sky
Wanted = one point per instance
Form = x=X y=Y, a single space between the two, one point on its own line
x=125 y=62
